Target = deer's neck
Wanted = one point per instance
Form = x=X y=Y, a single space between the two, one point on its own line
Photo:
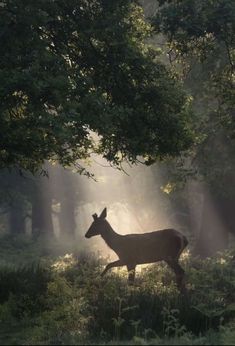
x=110 y=237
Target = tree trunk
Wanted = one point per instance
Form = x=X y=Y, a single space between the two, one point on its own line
x=66 y=192
x=17 y=218
x=42 y=209
x=213 y=234
x=67 y=217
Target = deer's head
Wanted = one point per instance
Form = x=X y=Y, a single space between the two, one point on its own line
x=97 y=225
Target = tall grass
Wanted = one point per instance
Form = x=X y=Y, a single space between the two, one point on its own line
x=65 y=301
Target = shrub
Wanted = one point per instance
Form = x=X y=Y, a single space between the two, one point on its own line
x=66 y=301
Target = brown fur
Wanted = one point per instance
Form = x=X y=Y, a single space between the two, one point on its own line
x=133 y=249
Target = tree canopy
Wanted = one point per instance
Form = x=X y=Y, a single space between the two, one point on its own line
x=204 y=32
x=201 y=40
x=71 y=68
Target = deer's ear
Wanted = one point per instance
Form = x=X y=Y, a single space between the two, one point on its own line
x=95 y=216
x=103 y=214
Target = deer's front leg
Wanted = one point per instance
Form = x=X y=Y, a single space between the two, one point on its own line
x=117 y=263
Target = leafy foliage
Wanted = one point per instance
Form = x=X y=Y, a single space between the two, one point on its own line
x=69 y=68
x=200 y=39
x=197 y=25
x=203 y=32
x=74 y=305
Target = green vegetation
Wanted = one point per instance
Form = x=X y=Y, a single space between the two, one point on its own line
x=200 y=36
x=127 y=81
x=63 y=300
x=72 y=67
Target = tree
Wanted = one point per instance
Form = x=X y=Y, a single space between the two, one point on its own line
x=67 y=193
x=34 y=198
x=41 y=203
x=71 y=68
x=14 y=192
x=201 y=34
x=201 y=38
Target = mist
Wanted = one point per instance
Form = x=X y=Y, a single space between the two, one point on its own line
x=134 y=197
x=138 y=199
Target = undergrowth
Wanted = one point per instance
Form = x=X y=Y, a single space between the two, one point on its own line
x=63 y=300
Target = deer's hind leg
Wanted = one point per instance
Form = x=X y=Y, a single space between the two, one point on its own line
x=131 y=273
x=117 y=263
x=179 y=273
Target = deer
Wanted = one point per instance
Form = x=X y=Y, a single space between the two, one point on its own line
x=142 y=248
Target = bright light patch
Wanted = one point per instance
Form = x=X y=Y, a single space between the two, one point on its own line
x=64 y=262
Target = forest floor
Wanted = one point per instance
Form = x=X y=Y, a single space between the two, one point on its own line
x=49 y=296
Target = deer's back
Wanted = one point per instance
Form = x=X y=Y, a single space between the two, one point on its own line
x=151 y=247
